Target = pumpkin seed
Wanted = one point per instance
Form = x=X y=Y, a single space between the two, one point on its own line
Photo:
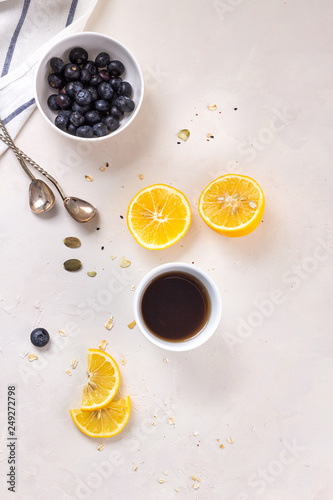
x=72 y=242
x=72 y=265
x=91 y=274
x=184 y=134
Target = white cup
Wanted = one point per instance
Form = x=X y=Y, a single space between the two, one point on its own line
x=214 y=311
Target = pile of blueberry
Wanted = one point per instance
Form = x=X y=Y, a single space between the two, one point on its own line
x=91 y=98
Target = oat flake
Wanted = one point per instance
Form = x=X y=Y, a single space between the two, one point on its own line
x=62 y=334
x=69 y=373
x=101 y=446
x=88 y=178
x=124 y=262
x=109 y=324
x=32 y=357
x=103 y=345
x=132 y=324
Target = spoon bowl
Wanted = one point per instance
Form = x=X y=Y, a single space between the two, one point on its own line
x=80 y=210
x=41 y=198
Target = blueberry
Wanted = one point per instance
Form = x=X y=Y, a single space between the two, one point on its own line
x=66 y=113
x=96 y=80
x=71 y=129
x=105 y=91
x=61 y=122
x=102 y=105
x=83 y=97
x=116 y=68
x=80 y=109
x=85 y=76
x=39 y=337
x=55 y=81
x=64 y=101
x=104 y=75
x=78 y=55
x=100 y=129
x=116 y=112
x=73 y=87
x=111 y=122
x=115 y=82
x=102 y=60
x=92 y=117
x=77 y=119
x=72 y=72
x=124 y=104
x=94 y=93
x=57 y=65
x=85 y=131
x=51 y=102
x=91 y=67
x=125 y=89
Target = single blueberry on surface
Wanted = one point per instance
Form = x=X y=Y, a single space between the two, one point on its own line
x=100 y=129
x=85 y=131
x=57 y=65
x=111 y=122
x=51 y=102
x=125 y=89
x=72 y=72
x=105 y=91
x=39 y=337
x=83 y=97
x=102 y=60
x=55 y=81
x=78 y=55
x=116 y=68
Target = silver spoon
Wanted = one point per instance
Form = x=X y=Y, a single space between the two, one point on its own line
x=80 y=210
x=41 y=198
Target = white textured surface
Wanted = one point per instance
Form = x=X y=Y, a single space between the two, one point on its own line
x=264 y=378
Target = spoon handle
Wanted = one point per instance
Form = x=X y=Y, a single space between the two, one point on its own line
x=11 y=144
x=20 y=154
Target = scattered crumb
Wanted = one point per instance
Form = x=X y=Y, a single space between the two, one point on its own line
x=135 y=468
x=194 y=478
x=195 y=433
x=63 y=334
x=161 y=481
x=69 y=372
x=196 y=486
x=199 y=479
x=74 y=363
x=91 y=274
x=106 y=164
x=22 y=355
x=212 y=107
x=153 y=423
x=133 y=287
x=124 y=262
x=253 y=428
x=210 y=135
x=230 y=440
x=165 y=472
x=101 y=446
x=171 y=420
x=166 y=360
x=176 y=490
x=184 y=134
x=132 y=324
x=89 y=178
x=140 y=177
x=123 y=361
x=32 y=357
x=102 y=169
x=103 y=345
x=113 y=257
x=222 y=446
x=109 y=324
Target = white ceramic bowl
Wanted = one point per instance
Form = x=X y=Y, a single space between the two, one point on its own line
x=94 y=43
x=215 y=307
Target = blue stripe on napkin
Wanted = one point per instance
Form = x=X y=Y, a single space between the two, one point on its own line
x=71 y=13
x=19 y=110
x=13 y=41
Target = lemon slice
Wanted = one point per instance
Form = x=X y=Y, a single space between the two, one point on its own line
x=232 y=205
x=103 y=380
x=158 y=216
x=105 y=422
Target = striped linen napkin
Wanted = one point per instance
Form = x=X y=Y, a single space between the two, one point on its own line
x=27 y=27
